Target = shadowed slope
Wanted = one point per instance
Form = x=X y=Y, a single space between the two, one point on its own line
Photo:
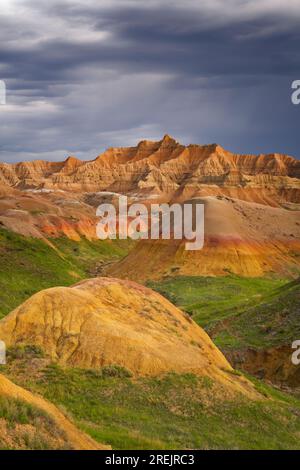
x=259 y=339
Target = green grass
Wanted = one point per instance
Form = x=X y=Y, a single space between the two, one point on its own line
x=29 y=265
x=274 y=322
x=211 y=299
x=239 y=312
x=16 y=412
x=19 y=416
x=169 y=412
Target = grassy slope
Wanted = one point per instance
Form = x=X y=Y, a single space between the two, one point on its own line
x=174 y=411
x=211 y=299
x=28 y=265
x=26 y=427
x=274 y=322
x=239 y=312
x=170 y=412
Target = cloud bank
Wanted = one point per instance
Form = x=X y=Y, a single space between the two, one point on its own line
x=82 y=76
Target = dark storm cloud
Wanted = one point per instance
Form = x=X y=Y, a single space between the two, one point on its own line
x=162 y=40
x=85 y=75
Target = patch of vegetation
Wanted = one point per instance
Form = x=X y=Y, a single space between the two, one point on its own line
x=24 y=352
x=25 y=426
x=273 y=322
x=29 y=265
x=211 y=299
x=115 y=371
x=169 y=412
x=239 y=312
x=19 y=412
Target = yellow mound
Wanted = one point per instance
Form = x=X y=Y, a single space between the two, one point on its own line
x=106 y=321
x=66 y=433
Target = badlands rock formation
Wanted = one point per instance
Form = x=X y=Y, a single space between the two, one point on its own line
x=47 y=214
x=243 y=238
x=252 y=205
x=68 y=435
x=106 y=321
x=169 y=170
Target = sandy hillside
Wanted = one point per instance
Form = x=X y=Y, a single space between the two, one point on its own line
x=111 y=322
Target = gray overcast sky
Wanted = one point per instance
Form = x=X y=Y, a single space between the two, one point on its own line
x=83 y=76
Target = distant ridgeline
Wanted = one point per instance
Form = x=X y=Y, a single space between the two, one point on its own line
x=168 y=170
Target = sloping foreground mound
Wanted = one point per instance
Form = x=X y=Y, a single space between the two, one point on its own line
x=30 y=422
x=244 y=238
x=105 y=321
